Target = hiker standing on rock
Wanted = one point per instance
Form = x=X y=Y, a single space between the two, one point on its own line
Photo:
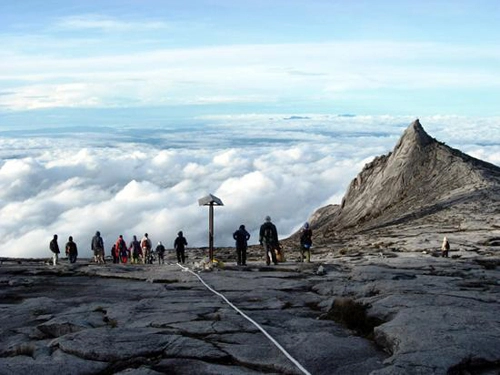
x=71 y=250
x=445 y=247
x=268 y=237
x=241 y=236
x=179 y=245
x=97 y=247
x=305 y=243
x=146 y=249
x=121 y=250
x=160 y=250
x=54 y=247
x=135 y=249
x=114 y=253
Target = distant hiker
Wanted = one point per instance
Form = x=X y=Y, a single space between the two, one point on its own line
x=114 y=254
x=121 y=249
x=97 y=247
x=241 y=236
x=71 y=250
x=305 y=243
x=160 y=250
x=146 y=248
x=445 y=247
x=54 y=247
x=268 y=237
x=135 y=250
x=179 y=245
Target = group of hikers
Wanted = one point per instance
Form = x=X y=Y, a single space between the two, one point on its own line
x=136 y=252
x=142 y=251
x=268 y=239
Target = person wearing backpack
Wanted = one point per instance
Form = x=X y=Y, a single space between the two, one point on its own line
x=179 y=245
x=146 y=249
x=305 y=243
x=71 y=250
x=135 y=249
x=160 y=250
x=121 y=249
x=241 y=236
x=97 y=246
x=54 y=247
x=268 y=238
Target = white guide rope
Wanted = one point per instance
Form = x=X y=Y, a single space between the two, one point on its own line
x=288 y=355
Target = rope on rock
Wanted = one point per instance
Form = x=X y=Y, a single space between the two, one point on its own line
x=276 y=343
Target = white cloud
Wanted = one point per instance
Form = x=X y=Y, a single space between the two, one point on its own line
x=106 y=23
x=134 y=187
x=240 y=73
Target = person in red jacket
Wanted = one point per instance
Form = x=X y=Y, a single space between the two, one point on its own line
x=121 y=249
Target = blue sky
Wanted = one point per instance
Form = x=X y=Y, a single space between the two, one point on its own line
x=119 y=115
x=83 y=61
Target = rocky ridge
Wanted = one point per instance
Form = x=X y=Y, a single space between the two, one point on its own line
x=422 y=183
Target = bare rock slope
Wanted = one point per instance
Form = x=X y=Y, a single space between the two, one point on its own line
x=421 y=182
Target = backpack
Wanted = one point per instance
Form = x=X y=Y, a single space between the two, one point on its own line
x=268 y=234
x=145 y=243
x=122 y=247
x=306 y=238
x=136 y=249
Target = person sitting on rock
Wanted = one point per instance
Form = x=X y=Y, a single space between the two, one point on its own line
x=305 y=243
x=445 y=247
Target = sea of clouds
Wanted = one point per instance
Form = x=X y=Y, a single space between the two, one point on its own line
x=76 y=180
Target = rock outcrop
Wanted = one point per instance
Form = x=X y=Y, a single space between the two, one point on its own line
x=378 y=314
x=420 y=178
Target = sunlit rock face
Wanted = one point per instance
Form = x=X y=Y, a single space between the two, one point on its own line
x=420 y=181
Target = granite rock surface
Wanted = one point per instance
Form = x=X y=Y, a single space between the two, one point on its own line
x=386 y=313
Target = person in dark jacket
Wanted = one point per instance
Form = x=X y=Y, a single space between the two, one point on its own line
x=445 y=247
x=241 y=236
x=97 y=247
x=54 y=247
x=268 y=238
x=71 y=250
x=305 y=243
x=179 y=245
x=135 y=250
x=114 y=254
x=160 y=250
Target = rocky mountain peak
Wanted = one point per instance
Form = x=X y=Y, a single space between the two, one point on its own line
x=413 y=138
x=416 y=134
x=420 y=173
